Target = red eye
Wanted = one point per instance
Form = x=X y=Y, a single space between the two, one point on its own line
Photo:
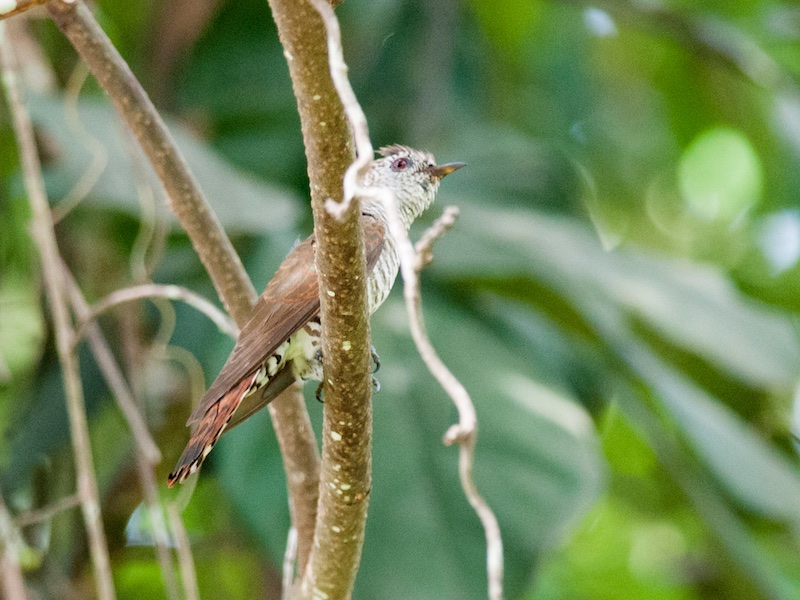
x=399 y=164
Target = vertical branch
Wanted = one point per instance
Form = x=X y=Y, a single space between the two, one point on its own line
x=326 y=132
x=347 y=425
x=412 y=260
x=44 y=238
x=184 y=550
x=301 y=454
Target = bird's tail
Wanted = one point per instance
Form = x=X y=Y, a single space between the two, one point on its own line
x=208 y=430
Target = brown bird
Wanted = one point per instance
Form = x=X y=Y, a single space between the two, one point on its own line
x=280 y=343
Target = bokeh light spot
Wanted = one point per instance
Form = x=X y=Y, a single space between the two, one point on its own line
x=599 y=22
x=720 y=175
x=780 y=240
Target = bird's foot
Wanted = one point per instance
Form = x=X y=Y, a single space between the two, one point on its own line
x=376 y=361
x=376 y=365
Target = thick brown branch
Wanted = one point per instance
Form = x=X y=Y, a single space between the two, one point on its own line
x=301 y=456
x=465 y=432
x=346 y=453
x=347 y=424
x=326 y=132
x=44 y=237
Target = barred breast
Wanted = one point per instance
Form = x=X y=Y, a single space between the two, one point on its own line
x=383 y=274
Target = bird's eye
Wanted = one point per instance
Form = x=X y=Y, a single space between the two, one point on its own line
x=400 y=164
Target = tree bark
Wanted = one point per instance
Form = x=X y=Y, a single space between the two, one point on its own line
x=347 y=428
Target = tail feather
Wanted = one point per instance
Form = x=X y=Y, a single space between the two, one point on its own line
x=209 y=429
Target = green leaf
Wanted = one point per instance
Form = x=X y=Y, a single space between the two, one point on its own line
x=242 y=203
x=22 y=326
x=754 y=472
x=693 y=306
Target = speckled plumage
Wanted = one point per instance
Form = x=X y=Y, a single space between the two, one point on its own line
x=280 y=342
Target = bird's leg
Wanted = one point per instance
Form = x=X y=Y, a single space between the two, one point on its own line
x=319 y=392
x=376 y=365
x=376 y=360
x=321 y=386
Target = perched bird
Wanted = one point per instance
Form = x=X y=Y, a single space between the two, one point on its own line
x=280 y=343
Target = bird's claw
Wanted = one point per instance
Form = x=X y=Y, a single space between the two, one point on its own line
x=376 y=360
x=376 y=385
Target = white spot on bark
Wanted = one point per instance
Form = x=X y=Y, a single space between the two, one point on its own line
x=316 y=97
x=345 y=486
x=331 y=293
x=336 y=529
x=335 y=436
x=346 y=346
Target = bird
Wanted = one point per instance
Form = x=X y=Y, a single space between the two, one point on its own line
x=280 y=342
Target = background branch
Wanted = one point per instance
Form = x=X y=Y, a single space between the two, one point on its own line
x=184 y=550
x=154 y=290
x=17 y=6
x=465 y=432
x=186 y=198
x=146 y=453
x=48 y=512
x=12 y=582
x=44 y=238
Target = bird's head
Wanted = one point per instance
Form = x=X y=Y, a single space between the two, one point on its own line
x=412 y=175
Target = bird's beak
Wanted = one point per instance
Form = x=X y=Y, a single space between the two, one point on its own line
x=440 y=171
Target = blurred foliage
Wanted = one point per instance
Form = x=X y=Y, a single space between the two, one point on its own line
x=620 y=295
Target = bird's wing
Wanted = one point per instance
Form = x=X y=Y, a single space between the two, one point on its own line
x=289 y=302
